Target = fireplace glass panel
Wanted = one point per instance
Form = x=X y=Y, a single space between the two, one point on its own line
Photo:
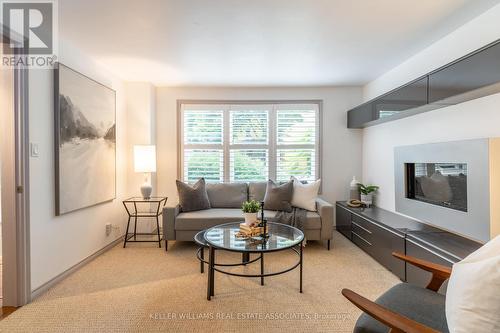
x=442 y=184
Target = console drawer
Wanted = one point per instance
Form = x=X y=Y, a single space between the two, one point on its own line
x=362 y=231
x=362 y=243
x=380 y=243
x=361 y=222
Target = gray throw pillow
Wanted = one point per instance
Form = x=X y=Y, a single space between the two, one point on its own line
x=257 y=191
x=227 y=195
x=278 y=197
x=192 y=197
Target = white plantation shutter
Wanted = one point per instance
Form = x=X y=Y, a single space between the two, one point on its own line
x=203 y=138
x=206 y=163
x=296 y=149
x=249 y=127
x=249 y=165
x=248 y=148
x=300 y=163
x=247 y=143
x=296 y=127
x=203 y=127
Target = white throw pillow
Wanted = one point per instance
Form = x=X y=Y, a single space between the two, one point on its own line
x=304 y=195
x=473 y=294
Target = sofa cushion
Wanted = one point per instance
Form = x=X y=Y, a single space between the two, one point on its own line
x=257 y=191
x=193 y=197
x=417 y=303
x=278 y=197
x=227 y=195
x=203 y=219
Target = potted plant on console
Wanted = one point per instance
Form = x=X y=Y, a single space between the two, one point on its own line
x=367 y=192
x=250 y=210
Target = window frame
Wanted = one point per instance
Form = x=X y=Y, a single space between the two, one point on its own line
x=234 y=105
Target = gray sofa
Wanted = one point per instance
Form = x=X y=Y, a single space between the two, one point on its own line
x=226 y=200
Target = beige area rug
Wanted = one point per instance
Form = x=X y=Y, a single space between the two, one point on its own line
x=145 y=289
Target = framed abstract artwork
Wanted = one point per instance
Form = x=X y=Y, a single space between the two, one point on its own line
x=85 y=141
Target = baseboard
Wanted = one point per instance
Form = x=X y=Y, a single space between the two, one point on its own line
x=47 y=285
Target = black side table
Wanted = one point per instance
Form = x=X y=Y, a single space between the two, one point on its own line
x=136 y=208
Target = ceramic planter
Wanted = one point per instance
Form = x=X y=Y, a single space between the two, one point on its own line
x=367 y=199
x=250 y=218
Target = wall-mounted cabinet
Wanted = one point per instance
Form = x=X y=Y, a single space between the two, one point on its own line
x=477 y=71
x=363 y=114
x=473 y=76
x=389 y=105
x=405 y=98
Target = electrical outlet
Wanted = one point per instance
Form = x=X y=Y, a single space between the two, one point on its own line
x=108 y=229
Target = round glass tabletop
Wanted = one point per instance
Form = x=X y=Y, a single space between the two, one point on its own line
x=281 y=237
x=199 y=238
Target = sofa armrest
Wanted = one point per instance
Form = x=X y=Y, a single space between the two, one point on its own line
x=325 y=211
x=169 y=215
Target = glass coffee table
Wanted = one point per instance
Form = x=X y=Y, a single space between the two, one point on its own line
x=223 y=237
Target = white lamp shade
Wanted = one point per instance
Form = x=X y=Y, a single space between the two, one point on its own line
x=144 y=158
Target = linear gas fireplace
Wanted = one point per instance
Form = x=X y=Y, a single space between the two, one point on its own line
x=452 y=185
x=442 y=184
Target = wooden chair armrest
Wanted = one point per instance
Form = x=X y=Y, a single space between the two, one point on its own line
x=440 y=273
x=397 y=322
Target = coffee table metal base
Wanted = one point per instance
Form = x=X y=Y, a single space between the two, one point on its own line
x=200 y=254
x=212 y=267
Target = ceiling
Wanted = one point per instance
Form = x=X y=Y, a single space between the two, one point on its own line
x=258 y=42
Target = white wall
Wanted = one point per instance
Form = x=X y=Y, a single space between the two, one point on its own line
x=58 y=243
x=474 y=119
x=141 y=112
x=341 y=146
x=140 y=102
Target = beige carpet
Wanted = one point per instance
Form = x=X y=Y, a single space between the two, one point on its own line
x=145 y=289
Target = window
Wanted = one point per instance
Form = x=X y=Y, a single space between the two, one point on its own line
x=203 y=131
x=248 y=143
x=296 y=144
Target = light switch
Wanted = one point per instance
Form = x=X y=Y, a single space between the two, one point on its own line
x=34 y=150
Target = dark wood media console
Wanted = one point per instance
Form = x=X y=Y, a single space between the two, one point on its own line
x=379 y=232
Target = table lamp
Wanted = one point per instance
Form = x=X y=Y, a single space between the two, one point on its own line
x=145 y=161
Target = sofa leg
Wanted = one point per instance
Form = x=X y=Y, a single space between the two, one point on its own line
x=328 y=245
x=166 y=245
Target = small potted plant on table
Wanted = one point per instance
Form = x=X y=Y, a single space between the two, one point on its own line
x=250 y=210
x=367 y=192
